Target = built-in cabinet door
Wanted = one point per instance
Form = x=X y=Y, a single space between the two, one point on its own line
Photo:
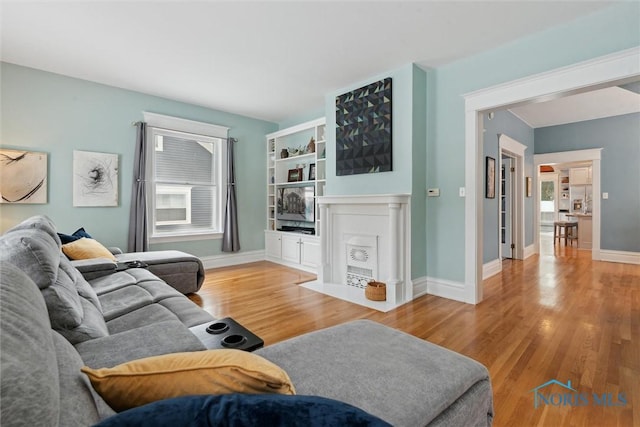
x=273 y=245
x=291 y=248
x=310 y=252
x=580 y=176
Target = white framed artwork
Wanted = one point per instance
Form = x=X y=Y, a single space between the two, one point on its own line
x=23 y=176
x=95 y=179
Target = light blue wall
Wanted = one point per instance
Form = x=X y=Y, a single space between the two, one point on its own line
x=505 y=123
x=56 y=114
x=399 y=179
x=409 y=107
x=610 y=30
x=620 y=172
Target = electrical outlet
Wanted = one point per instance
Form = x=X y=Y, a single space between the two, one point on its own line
x=605 y=195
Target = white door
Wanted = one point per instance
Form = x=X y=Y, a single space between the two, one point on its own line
x=507 y=173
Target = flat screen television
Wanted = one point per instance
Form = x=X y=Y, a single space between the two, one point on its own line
x=296 y=204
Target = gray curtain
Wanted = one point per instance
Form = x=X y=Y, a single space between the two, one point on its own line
x=230 y=239
x=138 y=215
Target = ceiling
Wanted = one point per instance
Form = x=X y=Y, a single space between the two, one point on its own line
x=268 y=60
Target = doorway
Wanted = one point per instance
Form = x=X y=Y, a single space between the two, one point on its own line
x=604 y=71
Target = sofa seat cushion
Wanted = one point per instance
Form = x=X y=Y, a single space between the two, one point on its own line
x=245 y=410
x=147 y=315
x=150 y=379
x=395 y=376
x=112 y=282
x=169 y=336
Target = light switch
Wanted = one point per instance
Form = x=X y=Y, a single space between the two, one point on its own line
x=461 y=192
x=605 y=195
x=433 y=192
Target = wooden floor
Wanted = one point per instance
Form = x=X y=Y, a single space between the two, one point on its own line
x=556 y=315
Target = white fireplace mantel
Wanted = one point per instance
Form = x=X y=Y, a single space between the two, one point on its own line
x=385 y=217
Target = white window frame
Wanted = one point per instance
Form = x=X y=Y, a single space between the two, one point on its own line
x=189 y=129
x=175 y=190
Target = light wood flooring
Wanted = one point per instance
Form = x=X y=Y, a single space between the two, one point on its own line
x=557 y=315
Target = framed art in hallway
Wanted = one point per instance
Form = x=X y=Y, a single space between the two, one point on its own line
x=490 y=179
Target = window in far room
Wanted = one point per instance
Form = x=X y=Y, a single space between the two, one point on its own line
x=186 y=185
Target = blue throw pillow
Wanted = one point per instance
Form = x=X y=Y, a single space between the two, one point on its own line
x=244 y=410
x=79 y=233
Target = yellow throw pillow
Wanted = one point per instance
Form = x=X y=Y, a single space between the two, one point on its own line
x=147 y=380
x=84 y=248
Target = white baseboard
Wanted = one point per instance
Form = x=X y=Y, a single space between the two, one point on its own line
x=529 y=250
x=226 y=260
x=620 y=256
x=491 y=268
x=446 y=289
x=420 y=286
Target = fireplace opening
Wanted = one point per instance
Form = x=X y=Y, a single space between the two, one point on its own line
x=362 y=260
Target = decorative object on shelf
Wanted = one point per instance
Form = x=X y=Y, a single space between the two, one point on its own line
x=284 y=153
x=312 y=171
x=311 y=147
x=529 y=186
x=95 y=179
x=363 y=129
x=323 y=155
x=294 y=175
x=376 y=291
x=490 y=180
x=23 y=176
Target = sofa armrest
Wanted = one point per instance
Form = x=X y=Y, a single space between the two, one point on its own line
x=115 y=250
x=94 y=267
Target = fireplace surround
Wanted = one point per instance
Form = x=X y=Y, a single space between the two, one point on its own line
x=362 y=237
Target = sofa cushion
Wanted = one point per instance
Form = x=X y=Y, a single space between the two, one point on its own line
x=84 y=248
x=78 y=234
x=27 y=360
x=402 y=379
x=226 y=371
x=169 y=336
x=35 y=253
x=77 y=404
x=245 y=410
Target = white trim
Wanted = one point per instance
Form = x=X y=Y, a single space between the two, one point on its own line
x=184 y=125
x=620 y=256
x=217 y=261
x=297 y=128
x=592 y=155
x=575 y=78
x=530 y=250
x=516 y=150
x=447 y=289
x=420 y=286
x=491 y=268
x=297 y=266
x=568 y=156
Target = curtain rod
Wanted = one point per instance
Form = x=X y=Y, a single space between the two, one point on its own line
x=232 y=139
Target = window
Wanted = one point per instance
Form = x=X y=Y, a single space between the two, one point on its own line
x=186 y=184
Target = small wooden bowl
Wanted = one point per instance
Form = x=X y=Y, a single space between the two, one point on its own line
x=376 y=291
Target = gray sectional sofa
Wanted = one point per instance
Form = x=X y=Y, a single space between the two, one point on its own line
x=53 y=321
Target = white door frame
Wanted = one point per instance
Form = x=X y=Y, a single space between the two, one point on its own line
x=592 y=155
x=577 y=78
x=515 y=150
